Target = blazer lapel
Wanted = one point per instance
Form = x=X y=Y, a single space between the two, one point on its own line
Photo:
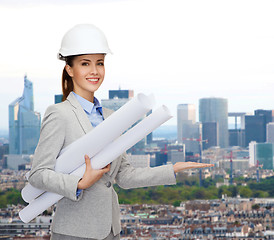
x=80 y=113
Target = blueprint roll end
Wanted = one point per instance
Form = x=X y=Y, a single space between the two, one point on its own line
x=23 y=195
x=22 y=217
x=166 y=109
x=147 y=101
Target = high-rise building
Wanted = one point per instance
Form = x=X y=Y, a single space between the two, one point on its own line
x=236 y=137
x=120 y=94
x=176 y=153
x=160 y=159
x=187 y=128
x=24 y=123
x=114 y=103
x=270 y=132
x=252 y=153
x=262 y=154
x=237 y=132
x=210 y=134
x=185 y=115
x=215 y=110
x=58 y=98
x=254 y=129
x=117 y=98
x=267 y=114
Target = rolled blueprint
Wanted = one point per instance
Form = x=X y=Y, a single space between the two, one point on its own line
x=131 y=137
x=72 y=156
x=108 y=154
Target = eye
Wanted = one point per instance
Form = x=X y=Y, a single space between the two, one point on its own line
x=85 y=64
x=101 y=64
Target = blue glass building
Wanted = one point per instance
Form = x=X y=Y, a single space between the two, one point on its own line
x=24 y=123
x=215 y=110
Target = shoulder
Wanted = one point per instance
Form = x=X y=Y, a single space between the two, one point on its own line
x=59 y=110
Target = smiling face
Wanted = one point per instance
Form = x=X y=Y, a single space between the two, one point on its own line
x=87 y=73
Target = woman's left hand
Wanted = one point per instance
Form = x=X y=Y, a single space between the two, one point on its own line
x=180 y=166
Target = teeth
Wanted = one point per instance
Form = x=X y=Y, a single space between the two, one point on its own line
x=93 y=80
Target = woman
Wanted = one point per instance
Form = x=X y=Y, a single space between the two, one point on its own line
x=89 y=209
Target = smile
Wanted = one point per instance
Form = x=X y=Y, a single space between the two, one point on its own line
x=93 y=79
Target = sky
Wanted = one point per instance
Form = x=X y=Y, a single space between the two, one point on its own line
x=178 y=50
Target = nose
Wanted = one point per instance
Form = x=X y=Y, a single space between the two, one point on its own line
x=93 y=69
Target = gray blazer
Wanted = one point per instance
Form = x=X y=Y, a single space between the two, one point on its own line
x=96 y=210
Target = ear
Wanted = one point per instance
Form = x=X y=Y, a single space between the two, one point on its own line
x=69 y=70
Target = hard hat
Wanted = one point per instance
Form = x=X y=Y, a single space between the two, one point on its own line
x=83 y=39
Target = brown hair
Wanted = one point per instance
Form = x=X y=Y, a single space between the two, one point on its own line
x=67 y=83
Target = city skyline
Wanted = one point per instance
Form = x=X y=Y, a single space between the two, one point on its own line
x=179 y=50
x=4 y=130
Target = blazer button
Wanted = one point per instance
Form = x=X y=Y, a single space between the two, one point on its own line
x=108 y=184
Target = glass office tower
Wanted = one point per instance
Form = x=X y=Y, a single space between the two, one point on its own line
x=215 y=110
x=24 y=123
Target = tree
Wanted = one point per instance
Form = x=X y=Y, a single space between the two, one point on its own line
x=245 y=192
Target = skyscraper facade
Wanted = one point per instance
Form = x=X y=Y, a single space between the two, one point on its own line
x=264 y=155
x=254 y=129
x=210 y=134
x=185 y=115
x=237 y=133
x=24 y=123
x=120 y=94
x=261 y=154
x=267 y=115
x=114 y=103
x=270 y=132
x=187 y=127
x=58 y=98
x=215 y=110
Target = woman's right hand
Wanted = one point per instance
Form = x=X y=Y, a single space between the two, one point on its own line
x=91 y=175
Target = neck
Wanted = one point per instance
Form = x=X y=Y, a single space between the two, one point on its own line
x=88 y=96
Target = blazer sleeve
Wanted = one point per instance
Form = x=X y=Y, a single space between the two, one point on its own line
x=42 y=174
x=130 y=177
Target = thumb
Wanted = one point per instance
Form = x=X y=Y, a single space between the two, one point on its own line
x=87 y=160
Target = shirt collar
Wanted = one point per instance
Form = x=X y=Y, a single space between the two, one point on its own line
x=87 y=105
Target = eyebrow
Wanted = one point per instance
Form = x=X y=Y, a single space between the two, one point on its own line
x=84 y=59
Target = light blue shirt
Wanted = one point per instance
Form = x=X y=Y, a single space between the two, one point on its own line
x=93 y=110
x=95 y=115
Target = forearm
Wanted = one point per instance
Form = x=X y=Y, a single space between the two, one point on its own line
x=144 y=177
x=51 y=181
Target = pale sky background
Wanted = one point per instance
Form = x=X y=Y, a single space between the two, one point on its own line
x=179 y=50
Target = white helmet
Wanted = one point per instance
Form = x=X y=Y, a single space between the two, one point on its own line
x=83 y=39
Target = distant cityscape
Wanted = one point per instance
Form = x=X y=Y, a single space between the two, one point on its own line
x=237 y=143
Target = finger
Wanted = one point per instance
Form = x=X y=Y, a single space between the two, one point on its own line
x=106 y=168
x=87 y=160
x=206 y=165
